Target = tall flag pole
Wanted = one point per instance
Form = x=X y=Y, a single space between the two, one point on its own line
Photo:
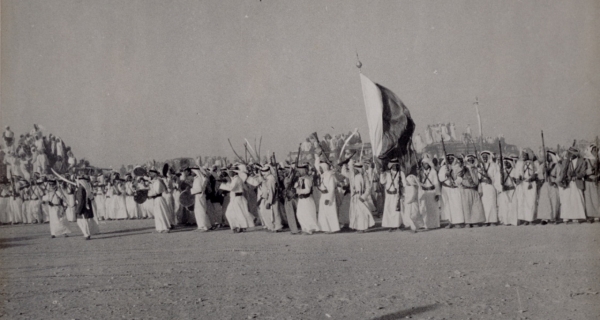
x=479 y=120
x=359 y=66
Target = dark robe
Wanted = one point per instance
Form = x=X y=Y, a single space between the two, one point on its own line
x=81 y=210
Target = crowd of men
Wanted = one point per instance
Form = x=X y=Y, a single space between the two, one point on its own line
x=318 y=195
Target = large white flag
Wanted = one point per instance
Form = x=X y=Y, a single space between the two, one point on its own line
x=390 y=124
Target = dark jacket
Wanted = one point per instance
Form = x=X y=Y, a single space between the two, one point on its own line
x=81 y=210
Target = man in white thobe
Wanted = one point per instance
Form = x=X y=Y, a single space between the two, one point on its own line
x=489 y=185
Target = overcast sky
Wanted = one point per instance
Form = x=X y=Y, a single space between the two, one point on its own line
x=128 y=81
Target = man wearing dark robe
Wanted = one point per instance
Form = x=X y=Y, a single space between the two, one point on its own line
x=84 y=210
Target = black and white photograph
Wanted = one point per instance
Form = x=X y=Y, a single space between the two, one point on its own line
x=270 y=159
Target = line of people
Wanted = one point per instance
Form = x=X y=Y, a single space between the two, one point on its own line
x=471 y=190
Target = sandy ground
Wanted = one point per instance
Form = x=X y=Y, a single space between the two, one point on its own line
x=129 y=272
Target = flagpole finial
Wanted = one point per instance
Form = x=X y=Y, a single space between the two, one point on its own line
x=358 y=63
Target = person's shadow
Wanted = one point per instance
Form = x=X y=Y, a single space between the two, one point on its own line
x=408 y=312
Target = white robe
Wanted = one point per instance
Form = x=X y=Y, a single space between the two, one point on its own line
x=159 y=206
x=109 y=204
x=452 y=206
x=360 y=216
x=133 y=208
x=306 y=212
x=237 y=213
x=508 y=205
x=70 y=210
x=100 y=200
x=58 y=221
x=266 y=194
x=16 y=206
x=572 y=204
x=411 y=216
x=198 y=190
x=4 y=208
x=392 y=217
x=169 y=200
x=526 y=191
x=88 y=227
x=120 y=206
x=328 y=218
x=490 y=191
x=428 y=206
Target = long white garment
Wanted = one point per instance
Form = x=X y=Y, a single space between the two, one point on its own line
x=572 y=204
x=88 y=227
x=35 y=204
x=526 y=191
x=452 y=206
x=391 y=215
x=109 y=204
x=100 y=200
x=4 y=209
x=237 y=214
x=178 y=209
x=148 y=208
x=198 y=190
x=17 y=209
x=70 y=210
x=120 y=206
x=58 y=221
x=133 y=208
x=35 y=209
x=159 y=205
x=508 y=205
x=508 y=208
x=472 y=206
x=306 y=212
x=26 y=212
x=360 y=215
x=266 y=194
x=46 y=208
x=254 y=196
x=328 y=218
x=369 y=187
x=489 y=189
x=590 y=192
x=169 y=200
x=411 y=216
x=428 y=206
x=170 y=206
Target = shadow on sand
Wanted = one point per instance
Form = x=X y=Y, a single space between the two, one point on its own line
x=408 y=312
x=4 y=245
x=128 y=230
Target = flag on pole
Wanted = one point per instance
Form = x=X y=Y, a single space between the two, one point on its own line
x=390 y=124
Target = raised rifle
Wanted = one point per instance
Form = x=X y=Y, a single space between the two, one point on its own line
x=322 y=152
x=546 y=164
x=501 y=165
x=277 y=181
x=289 y=189
x=298 y=155
x=480 y=162
x=341 y=163
x=447 y=165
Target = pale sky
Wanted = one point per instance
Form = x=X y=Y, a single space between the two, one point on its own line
x=127 y=81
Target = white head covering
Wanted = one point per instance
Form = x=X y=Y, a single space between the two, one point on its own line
x=427 y=159
x=87 y=186
x=324 y=166
x=588 y=154
x=553 y=156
